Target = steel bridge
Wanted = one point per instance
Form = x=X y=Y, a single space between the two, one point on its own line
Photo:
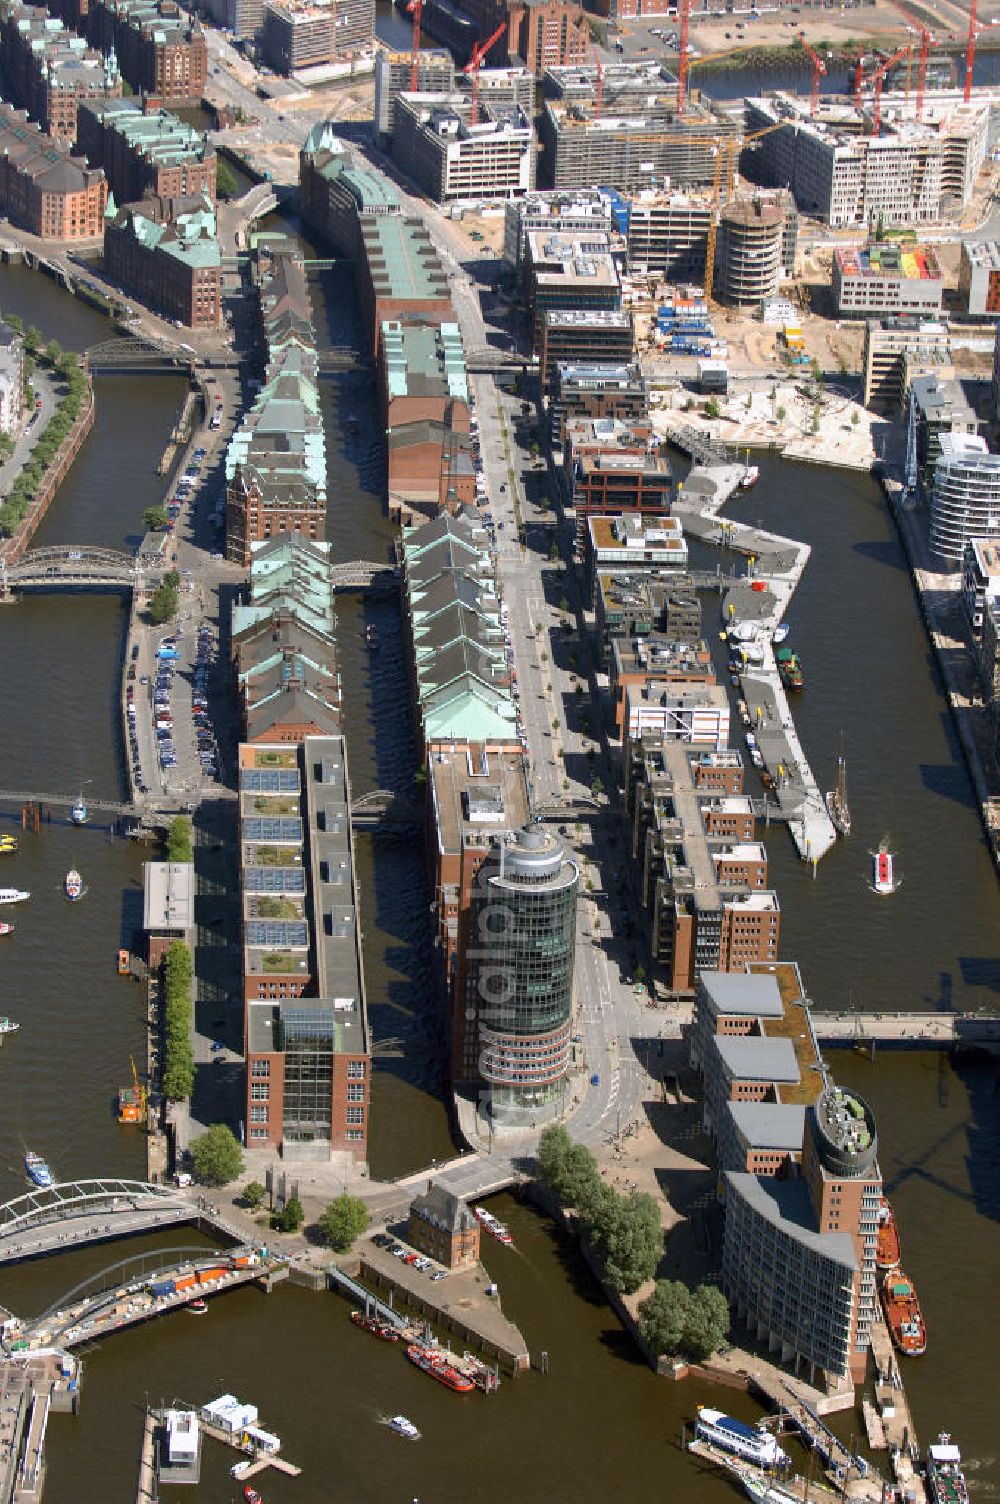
x=73 y=1212
x=487 y=361
x=388 y=812
x=361 y=574
x=130 y=352
x=71 y=568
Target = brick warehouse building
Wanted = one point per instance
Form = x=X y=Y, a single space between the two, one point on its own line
x=45 y=189
x=145 y=151
x=160 y=50
x=48 y=72
x=165 y=253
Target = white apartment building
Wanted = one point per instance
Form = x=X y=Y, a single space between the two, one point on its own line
x=451 y=158
x=11 y=380
x=965 y=500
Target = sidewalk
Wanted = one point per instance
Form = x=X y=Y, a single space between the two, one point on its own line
x=46 y=384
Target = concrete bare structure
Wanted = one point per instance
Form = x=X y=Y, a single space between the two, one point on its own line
x=394 y=76
x=436 y=142
x=749 y=260
x=909 y=174
x=300 y=34
x=979 y=277
x=630 y=148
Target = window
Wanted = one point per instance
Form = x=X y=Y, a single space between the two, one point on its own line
x=260 y=1068
x=355 y=1070
x=260 y=1091
x=258 y=1133
x=355 y=1114
x=356 y=1091
x=354 y=1134
x=258 y=1114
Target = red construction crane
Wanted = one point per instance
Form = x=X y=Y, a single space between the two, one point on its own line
x=684 y=8
x=479 y=51
x=414 y=8
x=926 y=43
x=879 y=76
x=970 y=50
x=599 y=91
x=819 y=71
x=859 y=78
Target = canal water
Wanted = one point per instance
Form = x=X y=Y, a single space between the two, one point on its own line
x=318 y=1381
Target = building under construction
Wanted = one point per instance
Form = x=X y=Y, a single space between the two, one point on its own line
x=452 y=155
x=394 y=74
x=584 y=144
x=907 y=173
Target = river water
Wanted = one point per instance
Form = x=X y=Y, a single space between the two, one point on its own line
x=318 y=1382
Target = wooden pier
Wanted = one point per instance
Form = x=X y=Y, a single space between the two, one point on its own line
x=146 y=1489
x=255 y=1459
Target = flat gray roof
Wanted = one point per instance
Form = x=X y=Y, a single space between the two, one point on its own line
x=743 y=993
x=769 y=1125
x=167 y=896
x=786 y=1205
x=757 y=1059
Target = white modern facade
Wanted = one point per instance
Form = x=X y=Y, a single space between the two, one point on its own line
x=965 y=500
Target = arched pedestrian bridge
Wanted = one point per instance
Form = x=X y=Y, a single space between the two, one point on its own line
x=74 y=1212
x=69 y=568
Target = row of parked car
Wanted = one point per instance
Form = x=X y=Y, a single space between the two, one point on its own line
x=415 y=1260
x=208 y=751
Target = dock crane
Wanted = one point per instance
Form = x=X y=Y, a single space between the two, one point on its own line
x=818 y=72
x=879 y=76
x=415 y=8
x=479 y=51
x=926 y=43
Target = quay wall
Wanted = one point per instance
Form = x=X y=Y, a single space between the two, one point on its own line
x=18 y=542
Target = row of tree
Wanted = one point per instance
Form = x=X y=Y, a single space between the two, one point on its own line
x=165 y=599
x=178 y=1062
x=179 y=848
x=626 y=1235
x=624 y=1231
x=16 y=504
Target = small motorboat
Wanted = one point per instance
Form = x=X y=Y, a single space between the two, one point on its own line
x=73 y=885
x=6 y=929
x=7 y=1026
x=750 y=477
x=79 y=813
x=8 y=845
x=780 y=634
x=197 y=1307
x=37 y=1170
x=371 y=637
x=403 y=1427
x=884 y=879
x=14 y=895
x=251 y=1495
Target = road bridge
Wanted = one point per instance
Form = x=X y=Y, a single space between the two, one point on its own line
x=916 y=1030
x=364 y=574
x=129 y=353
x=136 y=1290
x=342 y=358
x=66 y=1215
x=387 y=812
x=73 y=567
x=489 y=362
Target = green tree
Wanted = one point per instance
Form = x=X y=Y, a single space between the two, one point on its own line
x=226 y=185
x=291 y=1216
x=217 y=1156
x=33 y=338
x=663 y=1316
x=179 y=845
x=163 y=604
x=154 y=519
x=53 y=351
x=568 y=1168
x=780 y=414
x=712 y=408
x=855 y=417
x=344 y=1220
x=626 y=1236
x=253 y=1194
x=707 y=1324
x=597 y=787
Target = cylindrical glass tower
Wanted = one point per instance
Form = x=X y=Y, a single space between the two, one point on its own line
x=520 y=973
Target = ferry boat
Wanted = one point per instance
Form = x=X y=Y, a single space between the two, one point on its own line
x=7 y=1026
x=493 y=1226
x=377 y=1328
x=197 y=1307
x=903 y=1314
x=887 y=1240
x=73 y=885
x=945 y=1480
x=790 y=669
x=251 y=1495
x=884 y=879
x=403 y=1427
x=37 y=1170
x=754 y=1443
x=780 y=634
x=79 y=813
x=14 y=895
x=371 y=637
x=750 y=477
x=438 y=1366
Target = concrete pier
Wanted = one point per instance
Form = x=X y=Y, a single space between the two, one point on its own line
x=778 y=564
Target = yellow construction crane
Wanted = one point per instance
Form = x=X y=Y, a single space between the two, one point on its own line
x=723 y=177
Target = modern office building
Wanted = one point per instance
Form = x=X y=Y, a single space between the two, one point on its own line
x=646 y=605
x=49 y=73
x=668 y=234
x=601 y=390
x=518 y=974
x=938 y=408
x=276 y=459
x=749 y=261
x=631 y=149
x=587 y=211
x=979 y=277
x=576 y=272
x=695 y=714
x=308 y=1054
x=633 y=543
x=161 y=50
x=980 y=583
x=605 y=483
x=583 y=336
x=45 y=189
x=637 y=662
x=887 y=278
x=394 y=75
x=299 y=34
x=840 y=173
x=895 y=350
x=437 y=143
x=165 y=253
x=965 y=497
x=145 y=152
x=11 y=381
x=424 y=390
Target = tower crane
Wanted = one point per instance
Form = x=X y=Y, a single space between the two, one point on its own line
x=818 y=72
x=479 y=51
x=926 y=43
x=414 y=8
x=970 y=49
x=879 y=76
x=859 y=78
x=599 y=91
x=684 y=10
